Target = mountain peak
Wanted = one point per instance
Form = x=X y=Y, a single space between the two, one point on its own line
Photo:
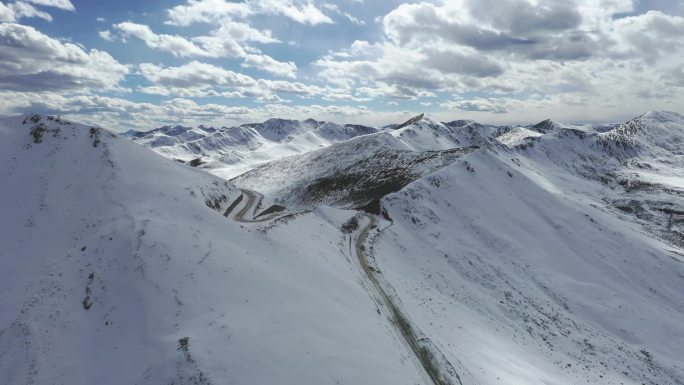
x=545 y=126
x=662 y=116
x=411 y=121
x=460 y=123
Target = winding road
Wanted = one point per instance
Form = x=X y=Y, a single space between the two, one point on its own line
x=249 y=205
x=248 y=212
x=425 y=356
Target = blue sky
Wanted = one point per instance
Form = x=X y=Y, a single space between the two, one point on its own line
x=141 y=64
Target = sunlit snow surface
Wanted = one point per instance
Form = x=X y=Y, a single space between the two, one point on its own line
x=128 y=234
x=546 y=254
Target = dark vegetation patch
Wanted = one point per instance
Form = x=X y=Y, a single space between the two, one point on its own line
x=95 y=135
x=188 y=371
x=374 y=207
x=632 y=185
x=39 y=129
x=183 y=344
x=664 y=218
x=214 y=201
x=362 y=185
x=196 y=162
x=351 y=225
x=87 y=301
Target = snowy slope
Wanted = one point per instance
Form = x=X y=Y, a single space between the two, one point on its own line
x=517 y=136
x=228 y=152
x=522 y=285
x=119 y=267
x=635 y=169
x=354 y=173
x=547 y=261
x=552 y=262
x=545 y=254
x=423 y=133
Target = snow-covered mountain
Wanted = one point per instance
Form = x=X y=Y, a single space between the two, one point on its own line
x=357 y=172
x=453 y=253
x=122 y=267
x=228 y=152
x=548 y=254
x=528 y=268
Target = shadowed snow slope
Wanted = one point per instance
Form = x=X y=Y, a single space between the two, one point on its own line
x=118 y=267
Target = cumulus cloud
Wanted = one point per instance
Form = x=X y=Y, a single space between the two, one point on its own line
x=518 y=56
x=121 y=114
x=477 y=104
x=222 y=42
x=651 y=36
x=176 y=45
x=197 y=79
x=61 y=4
x=208 y=11
x=304 y=12
x=336 y=9
x=584 y=51
x=194 y=74
x=268 y=64
x=106 y=35
x=33 y=61
x=17 y=10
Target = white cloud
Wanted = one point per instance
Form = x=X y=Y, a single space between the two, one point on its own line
x=650 y=36
x=176 y=45
x=223 y=42
x=106 y=35
x=196 y=79
x=120 y=114
x=566 y=57
x=206 y=11
x=335 y=8
x=33 y=61
x=210 y=11
x=304 y=12
x=61 y=4
x=195 y=74
x=6 y=13
x=15 y=11
x=268 y=64
x=574 y=52
x=238 y=31
x=477 y=104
